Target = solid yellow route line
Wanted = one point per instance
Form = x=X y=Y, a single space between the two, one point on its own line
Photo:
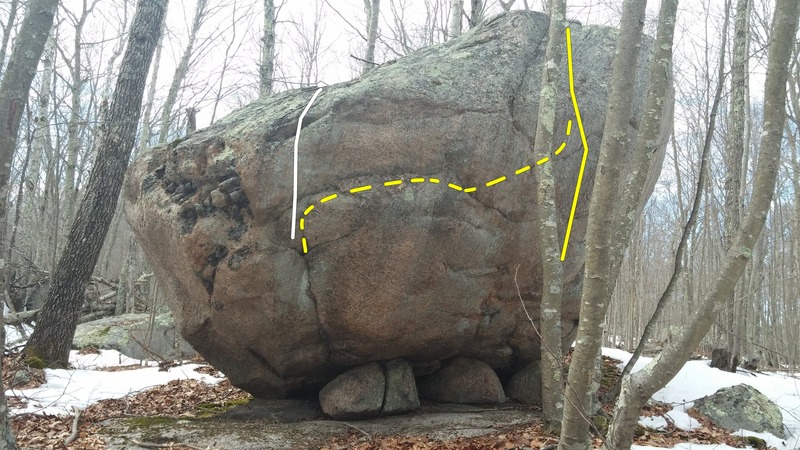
x=500 y=179
x=583 y=142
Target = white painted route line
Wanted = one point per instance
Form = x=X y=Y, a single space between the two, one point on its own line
x=296 y=144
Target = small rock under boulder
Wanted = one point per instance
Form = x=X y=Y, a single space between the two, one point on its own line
x=526 y=385
x=401 y=388
x=128 y=334
x=742 y=407
x=371 y=390
x=463 y=380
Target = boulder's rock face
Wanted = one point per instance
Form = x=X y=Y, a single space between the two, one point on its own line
x=463 y=380
x=742 y=407
x=526 y=385
x=420 y=265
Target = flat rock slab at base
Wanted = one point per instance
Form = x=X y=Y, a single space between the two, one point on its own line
x=742 y=407
x=438 y=422
x=128 y=334
x=463 y=380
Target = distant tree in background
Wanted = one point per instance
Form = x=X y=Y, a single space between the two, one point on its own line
x=14 y=88
x=267 y=72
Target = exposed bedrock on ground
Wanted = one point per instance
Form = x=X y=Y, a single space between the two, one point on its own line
x=416 y=270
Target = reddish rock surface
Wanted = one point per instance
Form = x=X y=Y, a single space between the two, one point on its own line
x=416 y=270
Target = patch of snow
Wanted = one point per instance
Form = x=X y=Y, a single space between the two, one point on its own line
x=769 y=438
x=13 y=336
x=687 y=446
x=682 y=420
x=654 y=422
x=81 y=388
x=106 y=358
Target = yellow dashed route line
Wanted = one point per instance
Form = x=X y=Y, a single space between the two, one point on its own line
x=500 y=179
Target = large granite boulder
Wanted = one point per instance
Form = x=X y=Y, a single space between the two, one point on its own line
x=420 y=266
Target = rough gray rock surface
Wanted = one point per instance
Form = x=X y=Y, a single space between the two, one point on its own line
x=401 y=388
x=355 y=394
x=128 y=334
x=416 y=270
x=463 y=380
x=371 y=390
x=742 y=407
x=526 y=385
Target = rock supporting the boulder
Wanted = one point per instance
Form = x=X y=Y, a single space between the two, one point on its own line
x=463 y=380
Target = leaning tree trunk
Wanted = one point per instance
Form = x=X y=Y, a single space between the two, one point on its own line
x=52 y=338
x=552 y=270
x=640 y=386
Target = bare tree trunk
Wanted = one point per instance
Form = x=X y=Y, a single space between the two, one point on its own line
x=144 y=137
x=599 y=244
x=52 y=337
x=456 y=11
x=268 y=50
x=640 y=386
x=7 y=28
x=181 y=70
x=734 y=203
x=76 y=121
x=476 y=13
x=14 y=89
x=373 y=10
x=549 y=242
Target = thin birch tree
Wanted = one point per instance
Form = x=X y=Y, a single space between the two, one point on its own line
x=549 y=242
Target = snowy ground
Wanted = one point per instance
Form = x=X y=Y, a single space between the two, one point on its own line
x=84 y=386
x=697 y=380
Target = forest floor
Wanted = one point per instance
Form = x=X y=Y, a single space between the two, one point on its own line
x=127 y=405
